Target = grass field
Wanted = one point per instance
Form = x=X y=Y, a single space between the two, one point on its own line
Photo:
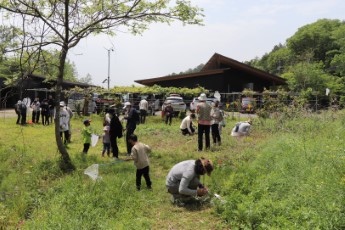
x=288 y=174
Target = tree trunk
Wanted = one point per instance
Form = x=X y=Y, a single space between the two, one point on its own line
x=66 y=163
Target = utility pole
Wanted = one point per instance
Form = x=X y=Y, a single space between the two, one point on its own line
x=111 y=49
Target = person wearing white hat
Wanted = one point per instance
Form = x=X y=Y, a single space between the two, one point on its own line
x=64 y=121
x=203 y=110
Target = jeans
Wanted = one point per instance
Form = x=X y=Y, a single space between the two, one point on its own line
x=146 y=173
x=201 y=130
x=106 y=147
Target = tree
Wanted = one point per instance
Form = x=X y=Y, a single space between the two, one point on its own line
x=316 y=38
x=64 y=23
x=87 y=79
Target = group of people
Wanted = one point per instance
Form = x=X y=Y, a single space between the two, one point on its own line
x=209 y=119
x=44 y=109
x=183 y=180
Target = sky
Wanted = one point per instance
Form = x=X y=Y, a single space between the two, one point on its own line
x=238 y=29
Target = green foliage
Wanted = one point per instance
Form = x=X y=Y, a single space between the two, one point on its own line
x=156 y=89
x=293 y=181
x=312 y=58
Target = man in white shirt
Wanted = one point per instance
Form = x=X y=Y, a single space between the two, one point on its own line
x=143 y=107
x=187 y=125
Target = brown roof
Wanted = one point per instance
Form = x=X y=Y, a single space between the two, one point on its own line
x=216 y=65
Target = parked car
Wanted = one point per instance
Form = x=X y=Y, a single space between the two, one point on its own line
x=209 y=100
x=248 y=105
x=176 y=102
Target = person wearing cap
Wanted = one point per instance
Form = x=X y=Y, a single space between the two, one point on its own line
x=17 y=108
x=130 y=117
x=63 y=122
x=241 y=128
x=203 y=111
x=183 y=180
x=86 y=133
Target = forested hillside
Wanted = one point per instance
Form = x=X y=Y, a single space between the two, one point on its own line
x=313 y=59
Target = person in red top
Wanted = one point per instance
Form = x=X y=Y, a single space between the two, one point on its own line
x=203 y=110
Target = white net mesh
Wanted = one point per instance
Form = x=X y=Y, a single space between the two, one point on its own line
x=92 y=172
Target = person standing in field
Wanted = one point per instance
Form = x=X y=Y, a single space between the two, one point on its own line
x=23 y=110
x=17 y=108
x=131 y=116
x=64 y=120
x=36 y=110
x=45 y=112
x=169 y=113
x=86 y=133
x=216 y=119
x=139 y=153
x=115 y=131
x=51 y=104
x=143 y=107
x=106 y=139
x=203 y=111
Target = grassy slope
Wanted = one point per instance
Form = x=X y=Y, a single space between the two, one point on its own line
x=258 y=176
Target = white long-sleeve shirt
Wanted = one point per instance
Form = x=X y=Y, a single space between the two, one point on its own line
x=185 y=124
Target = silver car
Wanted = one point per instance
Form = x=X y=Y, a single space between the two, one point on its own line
x=176 y=102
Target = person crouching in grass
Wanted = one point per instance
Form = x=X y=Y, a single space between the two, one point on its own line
x=86 y=133
x=141 y=160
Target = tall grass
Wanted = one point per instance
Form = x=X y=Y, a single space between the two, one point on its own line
x=289 y=174
x=294 y=180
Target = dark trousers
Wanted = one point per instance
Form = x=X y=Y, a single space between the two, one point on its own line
x=51 y=115
x=23 y=122
x=86 y=147
x=201 y=130
x=143 y=114
x=215 y=133
x=168 y=118
x=113 y=144
x=186 y=131
x=18 y=118
x=66 y=134
x=45 y=119
x=146 y=173
x=35 y=116
x=130 y=130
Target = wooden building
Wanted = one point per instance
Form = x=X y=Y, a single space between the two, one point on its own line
x=221 y=74
x=31 y=86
